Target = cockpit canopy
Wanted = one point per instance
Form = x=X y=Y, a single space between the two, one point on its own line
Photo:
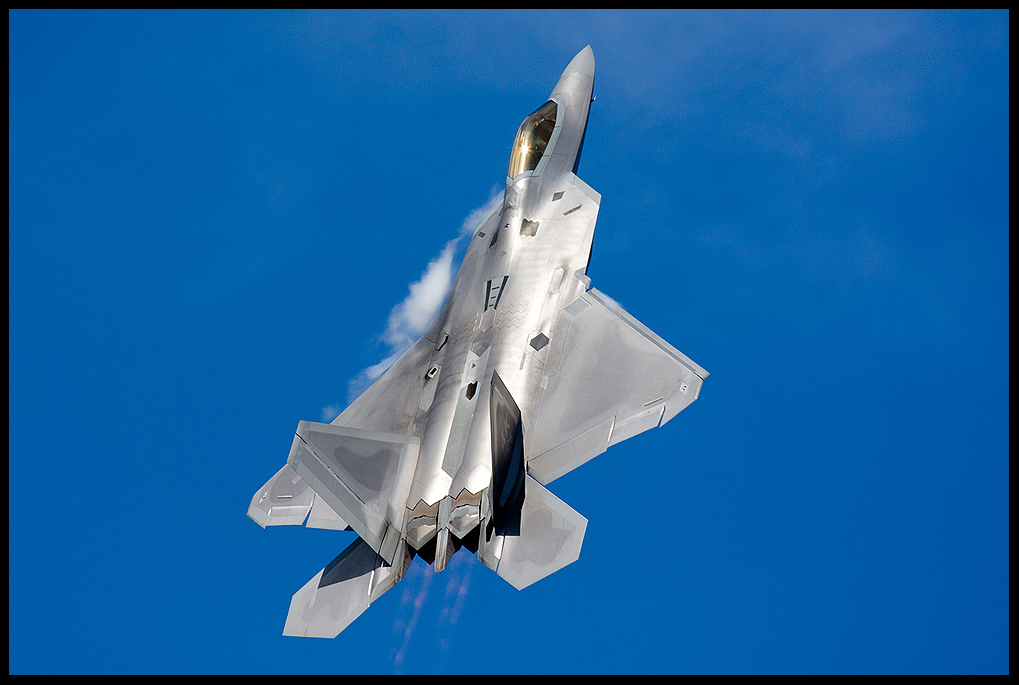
x=532 y=139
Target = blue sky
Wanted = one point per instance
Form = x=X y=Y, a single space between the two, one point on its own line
x=212 y=215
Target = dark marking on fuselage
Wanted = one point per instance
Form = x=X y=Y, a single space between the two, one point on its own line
x=493 y=293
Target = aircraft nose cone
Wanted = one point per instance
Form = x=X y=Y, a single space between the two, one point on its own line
x=583 y=63
x=577 y=81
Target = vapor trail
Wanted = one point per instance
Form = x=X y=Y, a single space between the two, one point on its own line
x=410 y=319
x=411 y=622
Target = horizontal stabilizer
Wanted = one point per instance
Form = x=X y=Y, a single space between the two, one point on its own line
x=340 y=592
x=363 y=476
x=551 y=534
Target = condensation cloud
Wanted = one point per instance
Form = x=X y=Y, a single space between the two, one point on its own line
x=410 y=319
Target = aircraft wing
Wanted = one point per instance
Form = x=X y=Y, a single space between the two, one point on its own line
x=608 y=378
x=387 y=407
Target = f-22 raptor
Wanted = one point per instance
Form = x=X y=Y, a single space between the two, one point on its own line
x=526 y=374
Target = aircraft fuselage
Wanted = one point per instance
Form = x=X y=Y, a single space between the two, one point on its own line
x=526 y=374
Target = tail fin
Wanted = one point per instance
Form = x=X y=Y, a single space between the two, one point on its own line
x=363 y=476
x=531 y=533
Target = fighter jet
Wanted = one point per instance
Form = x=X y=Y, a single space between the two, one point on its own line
x=526 y=374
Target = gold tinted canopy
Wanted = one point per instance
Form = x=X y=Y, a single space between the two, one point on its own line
x=532 y=139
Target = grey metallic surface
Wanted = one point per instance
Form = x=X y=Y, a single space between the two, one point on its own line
x=526 y=374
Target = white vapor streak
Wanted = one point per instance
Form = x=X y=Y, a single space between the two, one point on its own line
x=410 y=623
x=459 y=581
x=410 y=319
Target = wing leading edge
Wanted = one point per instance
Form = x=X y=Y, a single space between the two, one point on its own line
x=609 y=377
